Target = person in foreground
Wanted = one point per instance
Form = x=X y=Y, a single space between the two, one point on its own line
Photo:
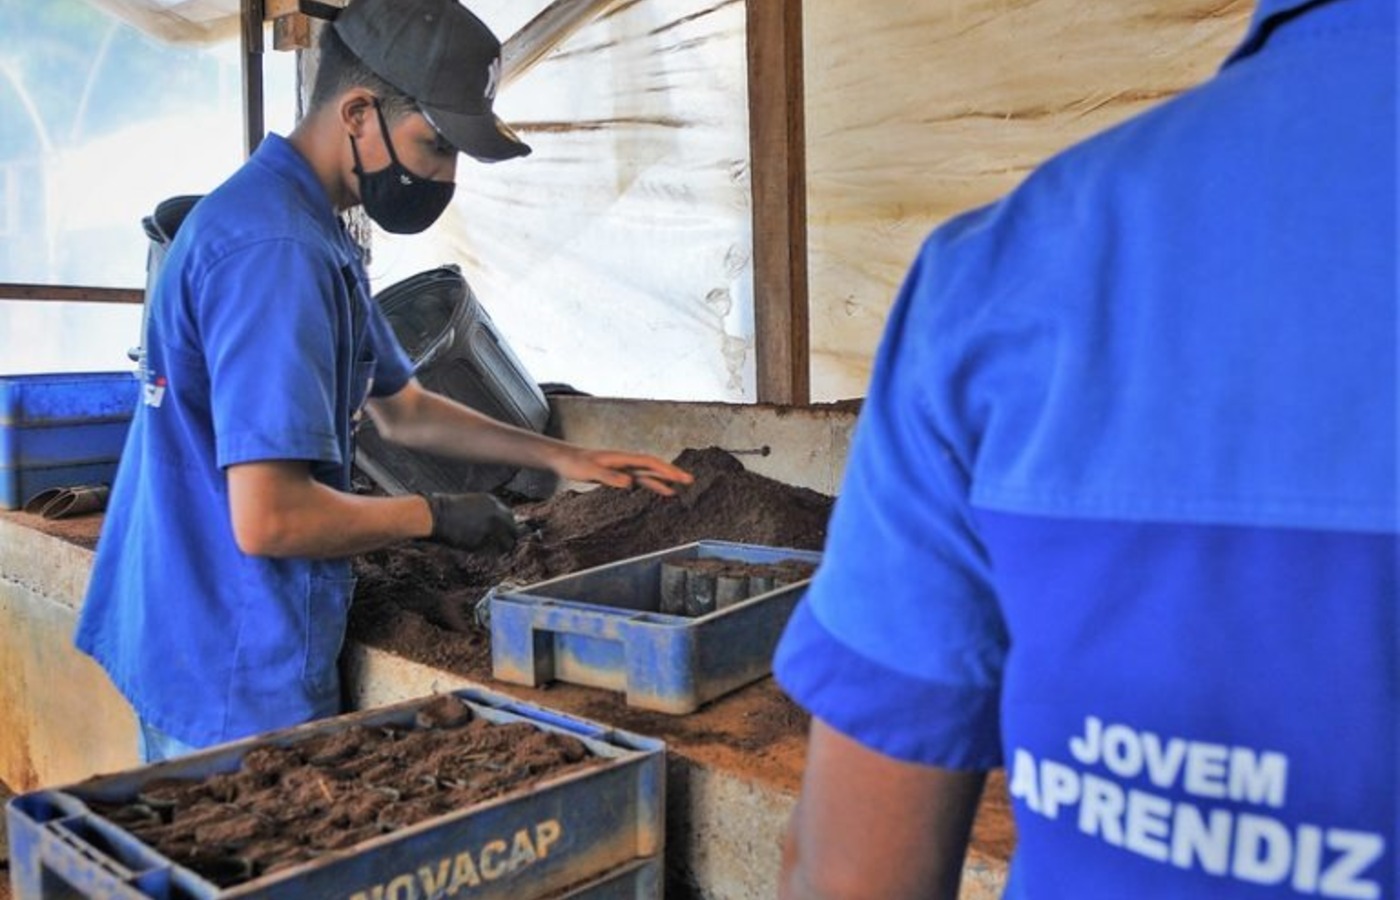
x=220 y=592
x=1121 y=513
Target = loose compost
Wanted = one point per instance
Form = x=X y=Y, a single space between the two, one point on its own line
x=288 y=805
x=418 y=599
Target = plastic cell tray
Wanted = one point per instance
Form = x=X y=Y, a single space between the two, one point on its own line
x=604 y=627
x=62 y=430
x=604 y=827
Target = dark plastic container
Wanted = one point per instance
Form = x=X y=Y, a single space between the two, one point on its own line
x=160 y=227
x=605 y=827
x=604 y=627
x=62 y=430
x=456 y=351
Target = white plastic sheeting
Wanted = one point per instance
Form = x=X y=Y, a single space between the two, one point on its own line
x=918 y=111
x=618 y=257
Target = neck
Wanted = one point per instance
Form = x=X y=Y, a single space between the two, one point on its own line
x=322 y=143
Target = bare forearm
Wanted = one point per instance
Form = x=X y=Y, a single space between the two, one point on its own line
x=423 y=420
x=277 y=516
x=869 y=826
x=441 y=425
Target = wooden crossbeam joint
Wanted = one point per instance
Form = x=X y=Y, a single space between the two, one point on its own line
x=316 y=9
x=291 y=20
x=291 y=32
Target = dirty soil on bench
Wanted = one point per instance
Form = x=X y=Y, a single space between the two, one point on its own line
x=417 y=600
x=290 y=805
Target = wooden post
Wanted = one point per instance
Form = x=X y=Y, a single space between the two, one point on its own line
x=251 y=32
x=778 y=170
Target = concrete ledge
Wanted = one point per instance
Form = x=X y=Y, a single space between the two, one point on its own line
x=60 y=717
x=42 y=563
x=807 y=444
x=62 y=721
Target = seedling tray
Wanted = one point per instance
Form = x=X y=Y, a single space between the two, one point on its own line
x=605 y=627
x=595 y=833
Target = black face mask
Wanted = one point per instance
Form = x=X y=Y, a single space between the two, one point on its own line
x=401 y=202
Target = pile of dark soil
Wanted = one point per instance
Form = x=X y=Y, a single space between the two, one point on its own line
x=289 y=805
x=417 y=600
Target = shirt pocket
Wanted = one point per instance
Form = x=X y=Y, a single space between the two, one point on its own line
x=327 y=614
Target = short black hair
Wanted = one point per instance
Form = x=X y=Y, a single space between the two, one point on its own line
x=338 y=70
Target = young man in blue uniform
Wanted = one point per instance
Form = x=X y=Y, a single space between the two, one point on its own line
x=220 y=592
x=1121 y=512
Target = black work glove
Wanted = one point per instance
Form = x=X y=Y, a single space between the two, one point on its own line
x=472 y=522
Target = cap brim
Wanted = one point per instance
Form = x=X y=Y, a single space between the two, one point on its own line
x=482 y=137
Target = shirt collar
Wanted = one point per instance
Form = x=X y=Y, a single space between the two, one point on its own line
x=1269 y=14
x=277 y=154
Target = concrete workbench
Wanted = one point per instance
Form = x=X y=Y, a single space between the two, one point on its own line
x=62 y=721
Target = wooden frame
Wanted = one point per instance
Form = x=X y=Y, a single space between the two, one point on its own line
x=291 y=20
x=67 y=293
x=546 y=31
x=778 y=172
x=251 y=40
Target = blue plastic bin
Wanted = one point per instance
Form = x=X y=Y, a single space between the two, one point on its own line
x=606 y=827
x=62 y=430
x=603 y=628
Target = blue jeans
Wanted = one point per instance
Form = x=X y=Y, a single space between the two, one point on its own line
x=154 y=745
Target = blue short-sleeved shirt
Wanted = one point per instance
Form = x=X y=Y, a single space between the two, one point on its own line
x=262 y=344
x=1121 y=509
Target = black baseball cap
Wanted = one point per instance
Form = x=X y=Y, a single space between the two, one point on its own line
x=445 y=59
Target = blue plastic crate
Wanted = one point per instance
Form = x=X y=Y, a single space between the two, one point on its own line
x=603 y=627
x=605 y=828
x=62 y=430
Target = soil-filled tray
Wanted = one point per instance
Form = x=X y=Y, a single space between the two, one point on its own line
x=673 y=629
x=464 y=795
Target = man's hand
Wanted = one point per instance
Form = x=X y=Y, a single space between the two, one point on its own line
x=419 y=418
x=621 y=470
x=472 y=522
